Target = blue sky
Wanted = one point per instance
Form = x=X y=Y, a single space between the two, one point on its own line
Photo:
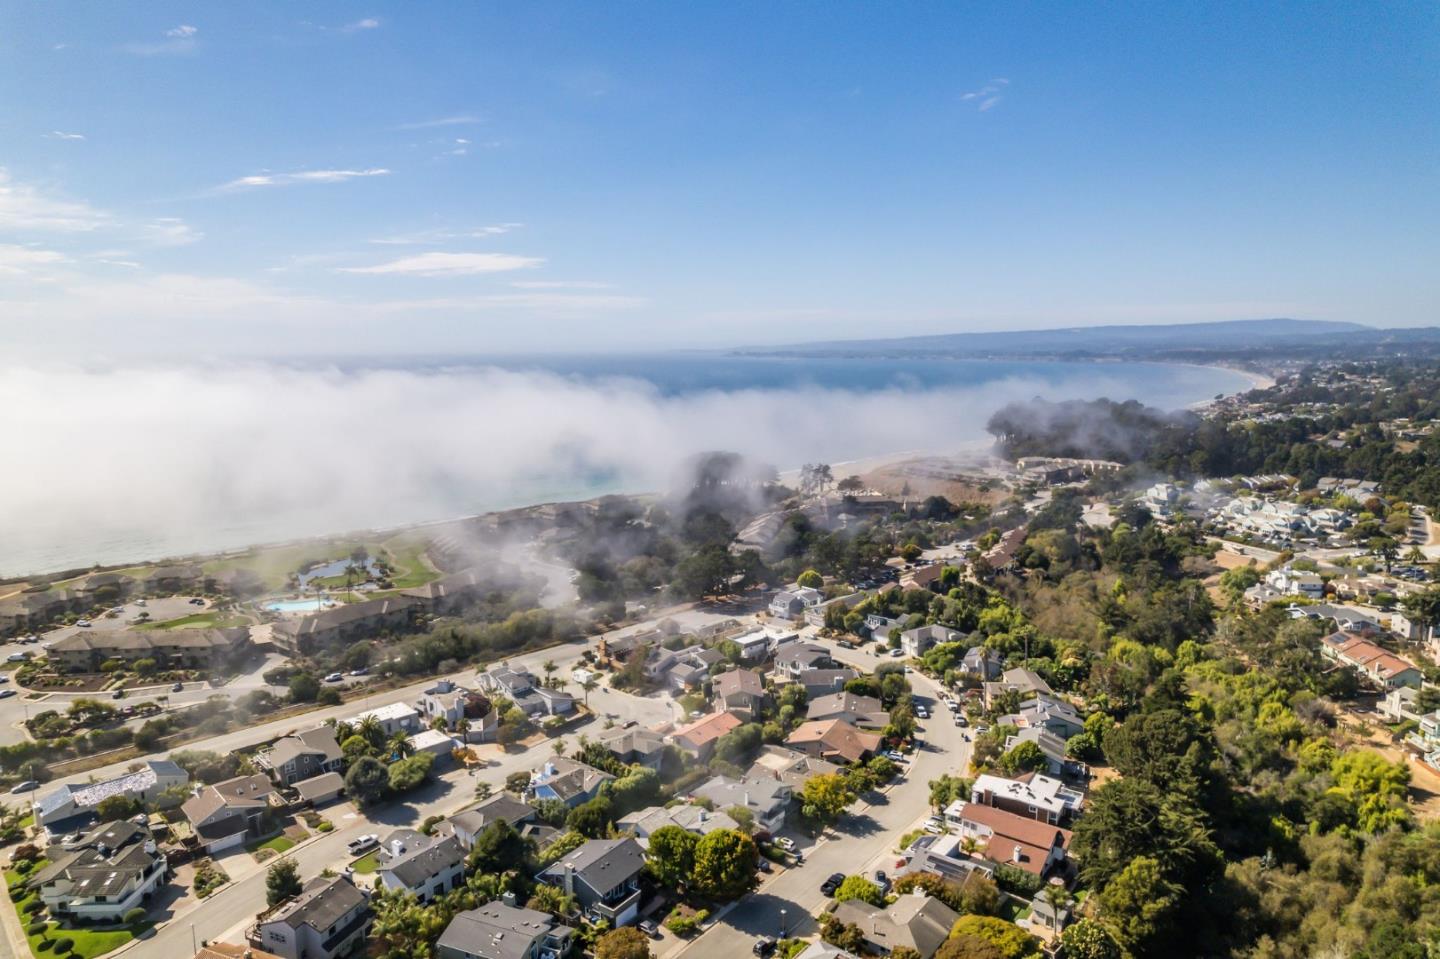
x=479 y=177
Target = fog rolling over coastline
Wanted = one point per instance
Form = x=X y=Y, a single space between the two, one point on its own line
x=131 y=464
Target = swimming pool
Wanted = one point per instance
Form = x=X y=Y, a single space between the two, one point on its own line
x=298 y=605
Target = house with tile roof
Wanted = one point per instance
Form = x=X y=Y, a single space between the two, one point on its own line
x=1010 y=840
x=699 y=738
x=834 y=740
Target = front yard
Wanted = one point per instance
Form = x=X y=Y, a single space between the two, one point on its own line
x=85 y=942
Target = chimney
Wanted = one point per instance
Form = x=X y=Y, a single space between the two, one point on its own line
x=569 y=879
x=1017 y=854
x=398 y=848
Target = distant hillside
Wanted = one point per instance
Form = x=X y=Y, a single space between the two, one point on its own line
x=1102 y=340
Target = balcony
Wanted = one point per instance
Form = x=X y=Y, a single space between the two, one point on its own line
x=610 y=910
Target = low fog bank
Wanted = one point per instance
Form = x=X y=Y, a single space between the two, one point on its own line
x=134 y=464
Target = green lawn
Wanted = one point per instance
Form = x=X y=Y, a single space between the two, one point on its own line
x=367 y=863
x=89 y=943
x=212 y=619
x=279 y=844
x=408 y=555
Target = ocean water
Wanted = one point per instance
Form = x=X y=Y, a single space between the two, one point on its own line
x=197 y=461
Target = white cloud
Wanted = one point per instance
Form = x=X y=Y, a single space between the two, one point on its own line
x=170 y=231
x=460 y=120
x=987 y=96
x=302 y=176
x=426 y=237
x=16 y=260
x=539 y=303
x=61 y=135
x=449 y=264
x=24 y=208
x=559 y=285
x=369 y=23
x=179 y=40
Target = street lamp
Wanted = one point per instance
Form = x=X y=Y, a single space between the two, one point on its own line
x=782 y=923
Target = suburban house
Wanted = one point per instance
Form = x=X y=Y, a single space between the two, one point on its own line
x=425 y=866
x=520 y=687
x=499 y=931
x=68 y=808
x=1056 y=761
x=880 y=627
x=834 y=740
x=329 y=918
x=568 y=780
x=1374 y=663
x=1046 y=920
x=35 y=610
x=1023 y=681
x=681 y=669
x=604 y=877
x=699 y=738
x=815 y=615
x=820 y=682
x=1048 y=713
x=740 y=691
x=1007 y=839
x=982 y=664
x=85 y=651
x=467 y=824
x=696 y=819
x=1031 y=795
x=345 y=623
x=915 y=920
x=754 y=645
x=320 y=790
x=788 y=766
x=105 y=873
x=231 y=812
x=863 y=711
x=923 y=577
x=768 y=800
x=619 y=649
x=792 y=603
x=303 y=756
x=944 y=856
x=434 y=742
x=915 y=642
x=633 y=744
x=393 y=718
x=453 y=703
x=1293 y=582
x=794 y=659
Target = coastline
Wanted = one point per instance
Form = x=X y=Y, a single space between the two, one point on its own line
x=859 y=466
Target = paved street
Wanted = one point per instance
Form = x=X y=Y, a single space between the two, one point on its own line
x=862 y=842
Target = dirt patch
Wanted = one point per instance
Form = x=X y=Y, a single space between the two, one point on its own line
x=1369 y=731
x=924 y=478
x=1225 y=559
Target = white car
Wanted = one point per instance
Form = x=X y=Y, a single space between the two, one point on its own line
x=786 y=843
x=361 y=843
x=894 y=755
x=6 y=693
x=18 y=657
x=83 y=623
x=922 y=712
x=934 y=825
x=334 y=678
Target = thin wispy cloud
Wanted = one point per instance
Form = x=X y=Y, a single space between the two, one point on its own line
x=449 y=264
x=369 y=23
x=459 y=120
x=987 y=97
x=179 y=40
x=428 y=237
x=559 y=285
x=170 y=231
x=62 y=135
x=259 y=180
x=16 y=260
x=24 y=208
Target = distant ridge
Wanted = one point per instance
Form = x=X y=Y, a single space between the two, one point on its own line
x=1096 y=340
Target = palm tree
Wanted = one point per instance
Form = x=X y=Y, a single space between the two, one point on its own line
x=462 y=726
x=439 y=724
x=372 y=730
x=559 y=747
x=589 y=684
x=400 y=745
x=1415 y=555
x=549 y=667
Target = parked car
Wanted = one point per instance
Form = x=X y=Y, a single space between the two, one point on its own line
x=934 y=825
x=922 y=713
x=6 y=693
x=362 y=843
x=831 y=884
x=895 y=755
x=25 y=787
x=83 y=623
x=786 y=843
x=197 y=601
x=896 y=653
x=334 y=678
x=649 y=927
x=361 y=671
x=763 y=947
x=118 y=694
x=177 y=688
x=140 y=603
x=18 y=657
x=883 y=881
x=763 y=865
x=4 y=677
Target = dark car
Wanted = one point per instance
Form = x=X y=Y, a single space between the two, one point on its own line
x=764 y=946
x=118 y=694
x=177 y=688
x=829 y=886
x=763 y=864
